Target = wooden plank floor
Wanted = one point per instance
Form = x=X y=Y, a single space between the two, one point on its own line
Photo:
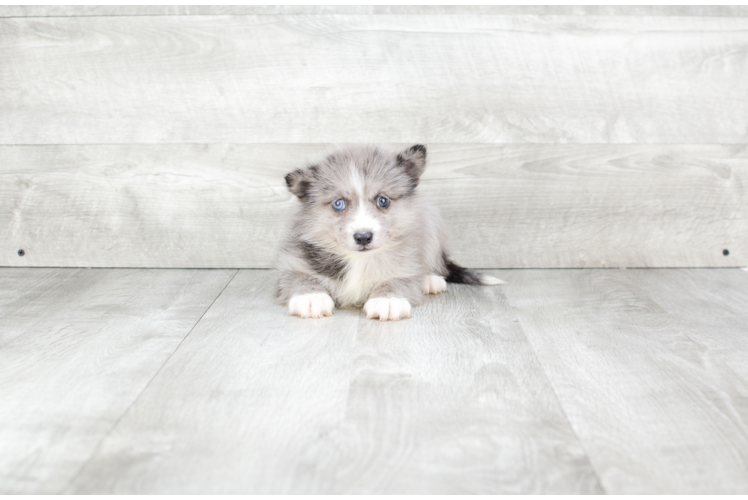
x=77 y=348
x=193 y=381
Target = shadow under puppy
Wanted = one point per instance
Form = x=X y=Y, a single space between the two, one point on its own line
x=363 y=235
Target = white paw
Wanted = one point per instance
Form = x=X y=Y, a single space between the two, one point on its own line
x=387 y=309
x=434 y=284
x=311 y=305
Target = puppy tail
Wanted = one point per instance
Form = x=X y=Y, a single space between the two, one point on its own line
x=459 y=274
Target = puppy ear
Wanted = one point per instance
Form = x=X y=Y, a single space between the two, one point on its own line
x=299 y=181
x=413 y=161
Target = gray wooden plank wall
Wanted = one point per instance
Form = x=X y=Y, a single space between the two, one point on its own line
x=225 y=205
x=559 y=138
x=173 y=10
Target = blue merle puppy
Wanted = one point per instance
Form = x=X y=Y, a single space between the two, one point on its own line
x=362 y=235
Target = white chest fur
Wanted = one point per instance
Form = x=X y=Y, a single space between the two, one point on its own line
x=363 y=274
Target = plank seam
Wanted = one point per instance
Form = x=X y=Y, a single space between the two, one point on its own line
x=374 y=14
x=555 y=395
x=319 y=143
x=45 y=280
x=135 y=400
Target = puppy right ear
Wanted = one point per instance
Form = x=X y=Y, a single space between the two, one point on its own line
x=413 y=161
x=299 y=181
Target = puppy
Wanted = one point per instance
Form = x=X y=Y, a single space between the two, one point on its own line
x=363 y=235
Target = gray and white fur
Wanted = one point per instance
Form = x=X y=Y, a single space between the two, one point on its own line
x=362 y=235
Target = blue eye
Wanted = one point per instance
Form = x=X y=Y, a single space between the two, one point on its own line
x=383 y=202
x=338 y=204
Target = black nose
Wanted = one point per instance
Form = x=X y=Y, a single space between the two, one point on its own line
x=363 y=238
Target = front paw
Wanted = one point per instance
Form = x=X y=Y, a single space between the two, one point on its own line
x=311 y=305
x=387 y=309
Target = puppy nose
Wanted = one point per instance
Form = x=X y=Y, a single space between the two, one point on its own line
x=363 y=238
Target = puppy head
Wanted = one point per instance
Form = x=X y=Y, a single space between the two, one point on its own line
x=359 y=199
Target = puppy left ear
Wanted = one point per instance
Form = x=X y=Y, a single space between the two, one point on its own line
x=299 y=181
x=413 y=161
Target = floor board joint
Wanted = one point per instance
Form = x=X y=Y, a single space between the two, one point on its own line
x=135 y=400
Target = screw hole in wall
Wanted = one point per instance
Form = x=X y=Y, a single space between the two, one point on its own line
x=21 y=253
x=725 y=252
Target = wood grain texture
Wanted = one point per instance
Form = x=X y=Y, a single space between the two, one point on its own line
x=176 y=10
x=255 y=401
x=22 y=289
x=476 y=393
x=709 y=306
x=76 y=349
x=226 y=205
x=251 y=390
x=656 y=410
x=384 y=78
x=448 y=402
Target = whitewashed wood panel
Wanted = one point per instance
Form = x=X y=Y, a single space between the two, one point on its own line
x=453 y=401
x=656 y=410
x=593 y=206
x=710 y=307
x=172 y=10
x=250 y=390
x=384 y=78
x=648 y=366
x=254 y=401
x=77 y=349
x=225 y=205
x=22 y=289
